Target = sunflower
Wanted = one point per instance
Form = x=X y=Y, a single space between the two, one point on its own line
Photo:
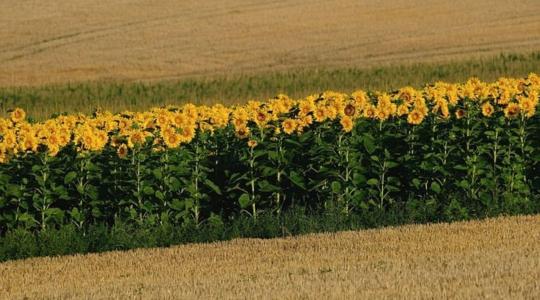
x=261 y=118
x=402 y=110
x=3 y=157
x=29 y=143
x=347 y=123
x=252 y=143
x=87 y=140
x=122 y=151
x=53 y=150
x=172 y=140
x=179 y=119
x=9 y=138
x=442 y=106
x=239 y=122
x=242 y=132
x=163 y=119
x=320 y=114
x=460 y=113
x=191 y=111
x=305 y=120
x=381 y=113
x=511 y=110
x=349 y=110
x=116 y=141
x=406 y=94
x=52 y=140
x=527 y=106
x=64 y=136
x=415 y=117
x=331 y=112
x=187 y=134
x=289 y=125
x=370 y=112
x=157 y=145
x=124 y=123
x=17 y=115
x=136 y=138
x=306 y=106
x=487 y=109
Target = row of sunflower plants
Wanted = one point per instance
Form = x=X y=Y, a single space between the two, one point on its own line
x=447 y=151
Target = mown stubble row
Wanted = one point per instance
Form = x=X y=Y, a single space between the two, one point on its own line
x=496 y=258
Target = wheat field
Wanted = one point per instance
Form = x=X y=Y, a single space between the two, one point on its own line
x=59 y=41
x=495 y=258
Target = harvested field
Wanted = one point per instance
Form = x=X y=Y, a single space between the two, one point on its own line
x=59 y=41
x=496 y=258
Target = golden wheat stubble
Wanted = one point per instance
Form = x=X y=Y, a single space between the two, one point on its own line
x=64 y=41
x=496 y=258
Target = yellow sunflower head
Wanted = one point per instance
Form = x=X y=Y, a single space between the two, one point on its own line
x=17 y=115
x=347 y=123
x=527 y=106
x=511 y=110
x=242 y=132
x=487 y=109
x=122 y=151
x=289 y=125
x=415 y=117
x=460 y=113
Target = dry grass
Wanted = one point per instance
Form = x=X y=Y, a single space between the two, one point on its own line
x=497 y=258
x=57 y=41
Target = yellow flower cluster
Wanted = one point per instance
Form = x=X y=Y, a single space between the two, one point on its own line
x=171 y=126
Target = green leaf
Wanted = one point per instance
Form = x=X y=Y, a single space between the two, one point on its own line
x=76 y=214
x=92 y=192
x=27 y=219
x=273 y=155
x=435 y=187
x=160 y=195
x=297 y=179
x=265 y=186
x=189 y=203
x=80 y=189
x=416 y=182
x=461 y=167
x=174 y=184
x=148 y=190
x=373 y=181
x=14 y=191
x=55 y=213
x=359 y=178
x=369 y=144
x=485 y=198
x=157 y=174
x=176 y=204
x=70 y=177
x=336 y=187
x=293 y=143
x=244 y=201
x=213 y=186
x=391 y=164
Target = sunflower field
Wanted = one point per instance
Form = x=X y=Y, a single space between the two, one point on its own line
x=453 y=150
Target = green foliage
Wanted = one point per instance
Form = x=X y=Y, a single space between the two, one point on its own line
x=69 y=239
x=441 y=169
